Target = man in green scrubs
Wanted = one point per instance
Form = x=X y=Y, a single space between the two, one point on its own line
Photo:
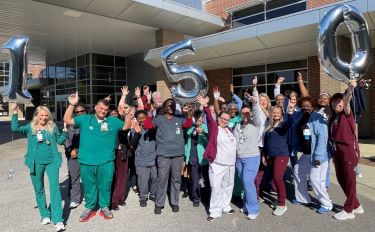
x=98 y=136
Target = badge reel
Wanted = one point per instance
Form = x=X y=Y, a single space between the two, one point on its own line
x=307 y=133
x=104 y=126
x=39 y=136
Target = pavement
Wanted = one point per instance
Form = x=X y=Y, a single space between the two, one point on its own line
x=18 y=212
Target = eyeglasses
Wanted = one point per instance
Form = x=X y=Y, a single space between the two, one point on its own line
x=224 y=119
x=80 y=111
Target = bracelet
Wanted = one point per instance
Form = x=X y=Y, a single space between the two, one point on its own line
x=72 y=104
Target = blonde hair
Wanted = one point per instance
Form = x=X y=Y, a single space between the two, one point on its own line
x=268 y=108
x=50 y=126
x=272 y=124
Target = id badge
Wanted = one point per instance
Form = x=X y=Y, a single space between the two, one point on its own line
x=104 y=126
x=307 y=133
x=39 y=136
x=178 y=131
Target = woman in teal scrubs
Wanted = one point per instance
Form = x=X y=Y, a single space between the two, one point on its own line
x=43 y=157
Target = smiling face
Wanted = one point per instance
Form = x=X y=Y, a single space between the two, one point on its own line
x=263 y=102
x=280 y=100
x=232 y=110
x=170 y=107
x=338 y=105
x=306 y=107
x=141 y=118
x=245 y=113
x=323 y=100
x=276 y=114
x=42 y=118
x=223 y=120
x=101 y=110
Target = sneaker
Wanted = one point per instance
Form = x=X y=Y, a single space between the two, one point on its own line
x=274 y=204
x=122 y=203
x=73 y=205
x=342 y=215
x=185 y=195
x=106 y=213
x=280 y=210
x=243 y=210
x=46 y=221
x=252 y=216
x=295 y=202
x=323 y=210
x=87 y=215
x=152 y=198
x=143 y=203
x=359 y=210
x=230 y=212
x=157 y=210
x=115 y=208
x=175 y=208
x=60 y=226
x=210 y=219
x=260 y=200
x=135 y=190
x=196 y=204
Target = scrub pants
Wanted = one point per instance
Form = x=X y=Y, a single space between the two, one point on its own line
x=37 y=179
x=74 y=180
x=222 y=182
x=97 y=180
x=301 y=173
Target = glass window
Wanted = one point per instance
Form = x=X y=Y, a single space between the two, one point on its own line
x=299 y=64
x=120 y=74
x=104 y=60
x=120 y=61
x=248 y=70
x=281 y=3
x=99 y=72
x=286 y=10
x=82 y=61
x=248 y=12
x=248 y=20
x=83 y=73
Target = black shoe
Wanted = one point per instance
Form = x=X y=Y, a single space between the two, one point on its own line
x=175 y=208
x=157 y=210
x=143 y=203
x=195 y=204
x=122 y=203
x=115 y=208
x=210 y=219
x=230 y=212
x=152 y=198
x=185 y=195
x=135 y=190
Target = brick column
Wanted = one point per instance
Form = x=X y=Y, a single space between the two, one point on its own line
x=164 y=37
x=314 y=76
x=221 y=78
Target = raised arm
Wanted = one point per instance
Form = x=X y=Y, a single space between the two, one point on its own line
x=189 y=116
x=256 y=108
x=216 y=94
x=125 y=92
x=348 y=96
x=238 y=100
x=137 y=93
x=204 y=102
x=68 y=116
x=15 y=127
x=301 y=85
x=277 y=88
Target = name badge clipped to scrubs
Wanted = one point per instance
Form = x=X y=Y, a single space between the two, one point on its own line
x=39 y=136
x=307 y=133
x=104 y=126
x=178 y=130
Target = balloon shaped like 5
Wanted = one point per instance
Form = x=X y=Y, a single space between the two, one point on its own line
x=178 y=73
x=327 y=46
x=16 y=90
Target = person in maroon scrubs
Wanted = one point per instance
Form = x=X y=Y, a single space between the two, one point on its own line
x=345 y=151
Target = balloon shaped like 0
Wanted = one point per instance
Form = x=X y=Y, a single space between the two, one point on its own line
x=16 y=90
x=178 y=73
x=327 y=45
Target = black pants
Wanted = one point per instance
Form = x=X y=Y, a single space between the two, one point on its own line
x=197 y=192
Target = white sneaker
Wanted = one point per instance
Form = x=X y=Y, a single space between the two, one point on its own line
x=260 y=200
x=243 y=210
x=274 y=205
x=359 y=210
x=252 y=216
x=280 y=210
x=60 y=226
x=73 y=205
x=46 y=221
x=342 y=215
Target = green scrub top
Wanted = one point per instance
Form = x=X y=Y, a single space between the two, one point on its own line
x=96 y=146
x=233 y=121
x=44 y=154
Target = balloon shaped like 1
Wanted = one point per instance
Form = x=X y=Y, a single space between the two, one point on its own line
x=178 y=73
x=327 y=45
x=16 y=90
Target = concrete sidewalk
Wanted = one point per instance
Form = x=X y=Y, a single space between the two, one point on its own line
x=17 y=201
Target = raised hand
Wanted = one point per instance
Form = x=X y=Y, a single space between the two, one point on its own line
x=221 y=99
x=216 y=93
x=14 y=106
x=291 y=107
x=203 y=101
x=108 y=98
x=149 y=96
x=352 y=84
x=73 y=99
x=255 y=81
x=137 y=92
x=146 y=90
x=231 y=88
x=280 y=80
x=136 y=126
x=299 y=77
x=125 y=90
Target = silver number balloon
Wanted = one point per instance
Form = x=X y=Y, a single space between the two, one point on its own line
x=178 y=73
x=327 y=44
x=16 y=90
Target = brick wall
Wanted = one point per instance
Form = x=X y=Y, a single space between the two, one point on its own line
x=221 y=78
x=317 y=3
x=218 y=7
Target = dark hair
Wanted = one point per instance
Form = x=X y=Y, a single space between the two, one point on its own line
x=168 y=100
x=244 y=106
x=198 y=114
x=80 y=104
x=103 y=101
x=335 y=97
x=304 y=99
x=223 y=112
x=138 y=112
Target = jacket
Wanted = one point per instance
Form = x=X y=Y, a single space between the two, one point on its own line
x=55 y=138
x=213 y=130
x=201 y=144
x=320 y=145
